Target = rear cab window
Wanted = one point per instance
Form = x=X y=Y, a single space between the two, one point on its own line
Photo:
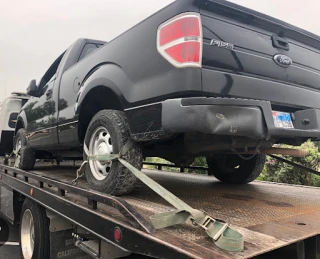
x=88 y=48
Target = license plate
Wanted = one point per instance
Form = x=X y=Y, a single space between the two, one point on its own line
x=282 y=120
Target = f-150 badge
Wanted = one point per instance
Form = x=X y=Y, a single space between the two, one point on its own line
x=221 y=44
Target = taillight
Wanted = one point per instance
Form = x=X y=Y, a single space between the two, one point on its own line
x=180 y=40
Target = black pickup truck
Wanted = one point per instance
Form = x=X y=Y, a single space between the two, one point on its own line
x=198 y=78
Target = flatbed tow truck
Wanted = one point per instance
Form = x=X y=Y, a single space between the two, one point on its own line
x=183 y=83
x=276 y=220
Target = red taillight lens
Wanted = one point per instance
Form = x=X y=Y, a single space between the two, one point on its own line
x=185 y=52
x=186 y=26
x=180 y=40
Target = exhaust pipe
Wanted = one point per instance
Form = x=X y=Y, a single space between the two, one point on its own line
x=280 y=151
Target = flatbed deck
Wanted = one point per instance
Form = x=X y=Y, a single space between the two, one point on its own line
x=269 y=215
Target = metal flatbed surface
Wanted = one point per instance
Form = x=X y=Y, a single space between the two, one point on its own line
x=269 y=215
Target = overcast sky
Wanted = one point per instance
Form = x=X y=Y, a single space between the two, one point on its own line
x=33 y=33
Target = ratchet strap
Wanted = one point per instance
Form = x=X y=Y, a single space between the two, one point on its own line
x=222 y=235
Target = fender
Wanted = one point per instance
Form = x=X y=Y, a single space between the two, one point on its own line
x=110 y=76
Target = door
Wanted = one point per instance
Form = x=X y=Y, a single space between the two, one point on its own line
x=69 y=89
x=40 y=118
x=41 y=112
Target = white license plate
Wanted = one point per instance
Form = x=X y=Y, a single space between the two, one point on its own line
x=282 y=120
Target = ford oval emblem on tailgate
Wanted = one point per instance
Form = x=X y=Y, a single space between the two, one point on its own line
x=282 y=60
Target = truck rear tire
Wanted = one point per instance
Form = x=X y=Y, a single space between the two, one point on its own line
x=34 y=231
x=26 y=157
x=233 y=169
x=108 y=132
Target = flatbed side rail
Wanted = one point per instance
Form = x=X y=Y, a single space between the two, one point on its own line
x=101 y=225
x=136 y=219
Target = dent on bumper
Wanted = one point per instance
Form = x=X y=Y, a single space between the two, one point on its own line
x=234 y=117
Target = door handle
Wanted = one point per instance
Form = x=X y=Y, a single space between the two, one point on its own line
x=49 y=94
x=280 y=43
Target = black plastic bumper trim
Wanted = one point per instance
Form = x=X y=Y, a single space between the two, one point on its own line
x=235 y=117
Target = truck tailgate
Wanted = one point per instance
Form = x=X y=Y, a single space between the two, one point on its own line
x=254 y=50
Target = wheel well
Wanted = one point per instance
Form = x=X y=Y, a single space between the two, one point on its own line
x=99 y=98
x=18 y=126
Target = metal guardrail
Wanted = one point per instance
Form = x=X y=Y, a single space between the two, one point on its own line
x=182 y=169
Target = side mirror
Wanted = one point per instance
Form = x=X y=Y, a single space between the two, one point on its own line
x=32 y=88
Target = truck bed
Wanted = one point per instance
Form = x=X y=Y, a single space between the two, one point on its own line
x=269 y=215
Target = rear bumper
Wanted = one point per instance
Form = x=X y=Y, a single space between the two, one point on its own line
x=234 y=117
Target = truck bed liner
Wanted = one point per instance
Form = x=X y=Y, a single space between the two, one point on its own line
x=269 y=215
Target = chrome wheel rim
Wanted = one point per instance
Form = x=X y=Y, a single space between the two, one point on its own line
x=100 y=144
x=17 y=150
x=27 y=235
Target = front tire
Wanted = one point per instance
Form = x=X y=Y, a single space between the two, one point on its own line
x=34 y=231
x=25 y=157
x=107 y=133
x=233 y=169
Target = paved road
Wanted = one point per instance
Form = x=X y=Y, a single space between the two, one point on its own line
x=12 y=249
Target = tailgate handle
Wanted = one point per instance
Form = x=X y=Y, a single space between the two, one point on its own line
x=280 y=43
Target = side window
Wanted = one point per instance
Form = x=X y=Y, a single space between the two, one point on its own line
x=42 y=90
x=49 y=76
x=88 y=48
